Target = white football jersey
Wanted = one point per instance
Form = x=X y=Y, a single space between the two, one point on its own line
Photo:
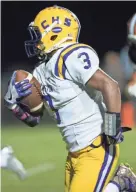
x=63 y=79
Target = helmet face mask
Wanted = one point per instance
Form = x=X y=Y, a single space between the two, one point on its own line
x=31 y=46
x=52 y=27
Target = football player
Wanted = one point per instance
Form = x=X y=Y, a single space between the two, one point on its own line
x=128 y=62
x=132 y=39
x=132 y=54
x=8 y=161
x=91 y=137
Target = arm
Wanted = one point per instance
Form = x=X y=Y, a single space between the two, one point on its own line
x=86 y=71
x=109 y=88
x=112 y=97
x=26 y=117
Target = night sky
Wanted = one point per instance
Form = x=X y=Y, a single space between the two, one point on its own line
x=103 y=24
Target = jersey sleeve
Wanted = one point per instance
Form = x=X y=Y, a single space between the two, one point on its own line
x=81 y=62
x=35 y=73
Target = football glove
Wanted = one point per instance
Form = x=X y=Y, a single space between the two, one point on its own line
x=112 y=140
x=16 y=90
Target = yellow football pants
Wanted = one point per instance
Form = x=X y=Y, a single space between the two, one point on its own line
x=90 y=169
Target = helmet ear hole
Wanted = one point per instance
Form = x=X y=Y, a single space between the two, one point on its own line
x=53 y=37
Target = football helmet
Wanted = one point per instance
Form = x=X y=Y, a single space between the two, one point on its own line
x=132 y=29
x=132 y=39
x=52 y=27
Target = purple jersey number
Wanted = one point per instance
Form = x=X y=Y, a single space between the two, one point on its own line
x=86 y=60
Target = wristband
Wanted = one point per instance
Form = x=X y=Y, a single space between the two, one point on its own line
x=112 y=123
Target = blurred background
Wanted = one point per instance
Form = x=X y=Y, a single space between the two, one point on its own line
x=104 y=26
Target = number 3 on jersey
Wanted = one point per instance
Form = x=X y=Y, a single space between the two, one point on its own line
x=86 y=59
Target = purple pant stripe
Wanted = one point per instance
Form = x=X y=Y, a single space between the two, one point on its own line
x=103 y=167
x=108 y=171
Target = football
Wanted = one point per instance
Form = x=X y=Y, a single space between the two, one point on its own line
x=33 y=103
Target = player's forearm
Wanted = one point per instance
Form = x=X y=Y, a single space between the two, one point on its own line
x=26 y=117
x=112 y=96
x=109 y=89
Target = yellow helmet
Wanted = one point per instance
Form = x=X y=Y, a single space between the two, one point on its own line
x=51 y=28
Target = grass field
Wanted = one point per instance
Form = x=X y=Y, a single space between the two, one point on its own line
x=40 y=146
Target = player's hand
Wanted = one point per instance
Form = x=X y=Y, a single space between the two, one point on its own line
x=16 y=91
x=112 y=140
